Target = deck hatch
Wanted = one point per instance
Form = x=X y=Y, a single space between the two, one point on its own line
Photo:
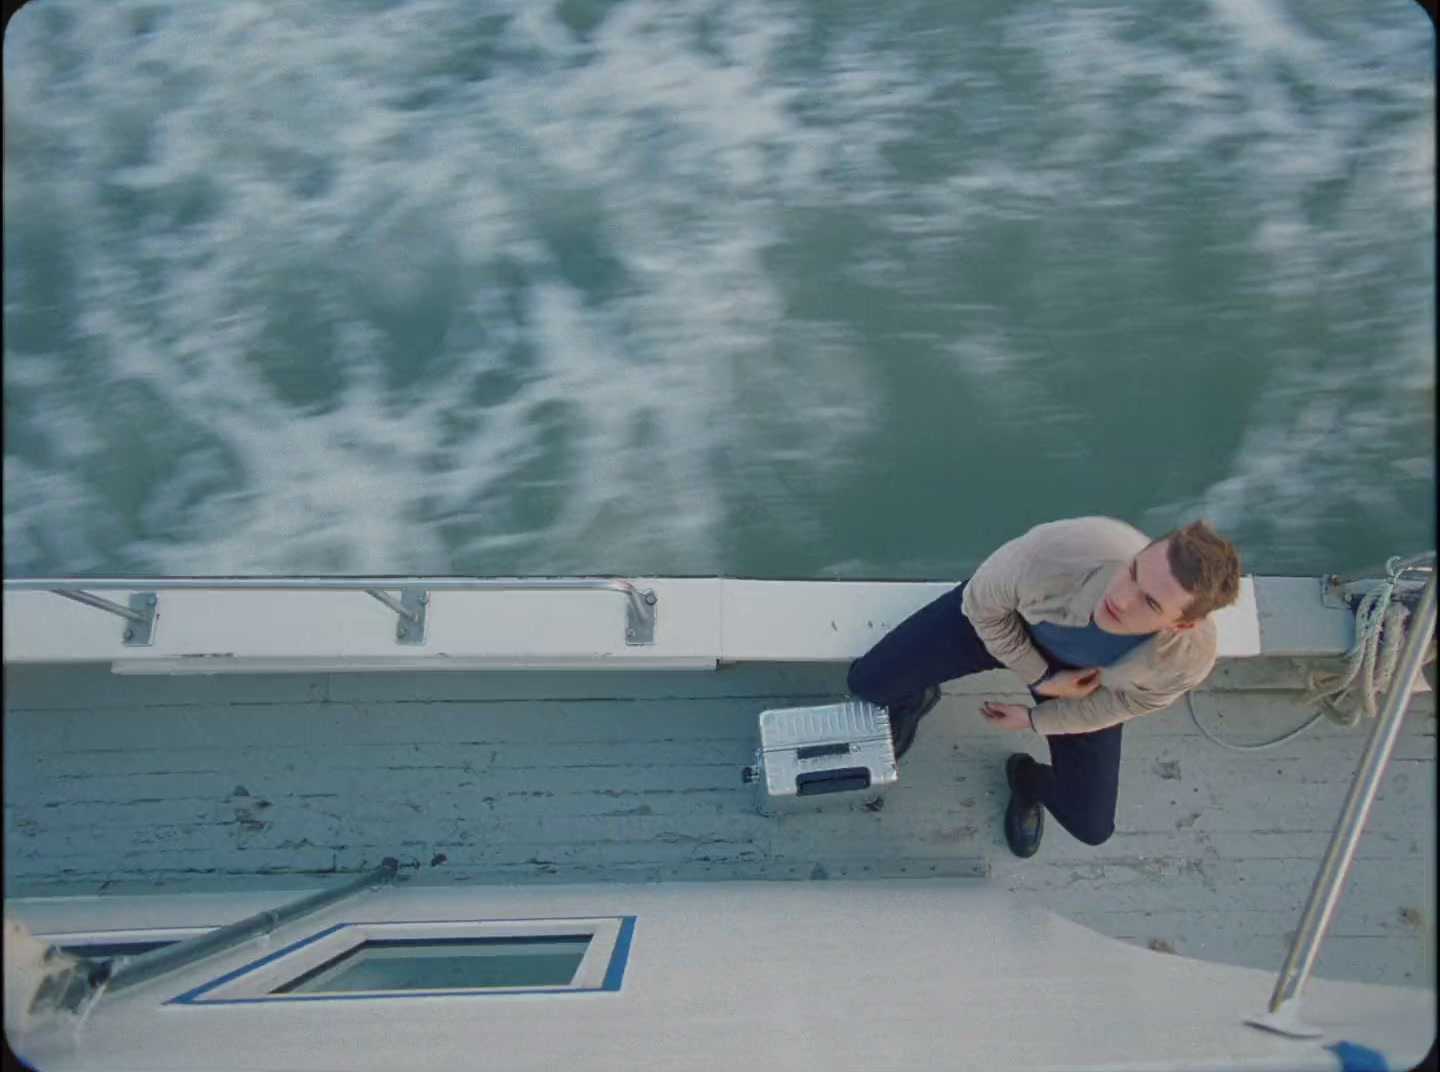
x=403 y=960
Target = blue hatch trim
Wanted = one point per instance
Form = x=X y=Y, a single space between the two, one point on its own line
x=190 y=996
x=620 y=957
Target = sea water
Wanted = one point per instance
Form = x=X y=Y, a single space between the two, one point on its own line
x=761 y=288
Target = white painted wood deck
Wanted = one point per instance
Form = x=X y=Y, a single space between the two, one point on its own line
x=130 y=785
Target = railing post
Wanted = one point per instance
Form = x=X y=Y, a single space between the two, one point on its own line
x=1282 y=1015
x=142 y=614
x=411 y=607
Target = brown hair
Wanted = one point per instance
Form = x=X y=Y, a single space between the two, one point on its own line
x=1206 y=565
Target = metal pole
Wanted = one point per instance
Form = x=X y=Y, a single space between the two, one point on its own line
x=1416 y=563
x=1425 y=560
x=123 y=973
x=393 y=603
x=105 y=604
x=1335 y=866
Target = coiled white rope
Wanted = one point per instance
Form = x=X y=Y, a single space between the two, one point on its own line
x=1379 y=637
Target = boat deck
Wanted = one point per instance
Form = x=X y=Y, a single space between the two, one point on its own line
x=119 y=784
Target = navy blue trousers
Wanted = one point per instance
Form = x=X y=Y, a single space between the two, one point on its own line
x=937 y=643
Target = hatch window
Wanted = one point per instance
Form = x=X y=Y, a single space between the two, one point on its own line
x=397 y=960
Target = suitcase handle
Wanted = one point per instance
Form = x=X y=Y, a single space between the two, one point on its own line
x=832 y=781
x=815 y=751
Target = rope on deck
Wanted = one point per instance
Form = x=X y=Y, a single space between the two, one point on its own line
x=1365 y=673
x=1362 y=675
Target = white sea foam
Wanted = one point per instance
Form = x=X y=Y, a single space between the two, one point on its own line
x=1303 y=106
x=426 y=287
x=280 y=97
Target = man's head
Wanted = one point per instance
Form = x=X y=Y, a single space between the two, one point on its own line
x=1172 y=584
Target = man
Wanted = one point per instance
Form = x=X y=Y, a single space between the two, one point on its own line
x=1102 y=623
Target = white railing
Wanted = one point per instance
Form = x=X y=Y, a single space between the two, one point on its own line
x=411 y=607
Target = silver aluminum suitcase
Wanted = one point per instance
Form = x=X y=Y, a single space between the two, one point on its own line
x=812 y=755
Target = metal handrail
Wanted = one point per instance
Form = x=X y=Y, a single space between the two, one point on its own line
x=121 y=973
x=1335 y=866
x=131 y=971
x=1423 y=561
x=640 y=609
x=1420 y=562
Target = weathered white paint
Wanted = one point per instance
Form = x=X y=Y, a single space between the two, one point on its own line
x=211 y=664
x=902 y=975
x=1238 y=625
x=133 y=785
x=1296 y=620
x=700 y=623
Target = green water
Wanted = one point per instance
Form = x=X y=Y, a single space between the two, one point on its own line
x=758 y=289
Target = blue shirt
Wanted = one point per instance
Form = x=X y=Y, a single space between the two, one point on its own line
x=1083 y=647
x=1080 y=648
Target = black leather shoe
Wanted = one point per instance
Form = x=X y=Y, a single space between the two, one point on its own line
x=905 y=718
x=1024 y=818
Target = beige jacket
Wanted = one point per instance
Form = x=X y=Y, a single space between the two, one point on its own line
x=1057 y=573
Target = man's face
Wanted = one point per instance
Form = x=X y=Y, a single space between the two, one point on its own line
x=1144 y=597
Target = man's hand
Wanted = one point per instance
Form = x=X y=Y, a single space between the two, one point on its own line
x=1007 y=716
x=1070 y=683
